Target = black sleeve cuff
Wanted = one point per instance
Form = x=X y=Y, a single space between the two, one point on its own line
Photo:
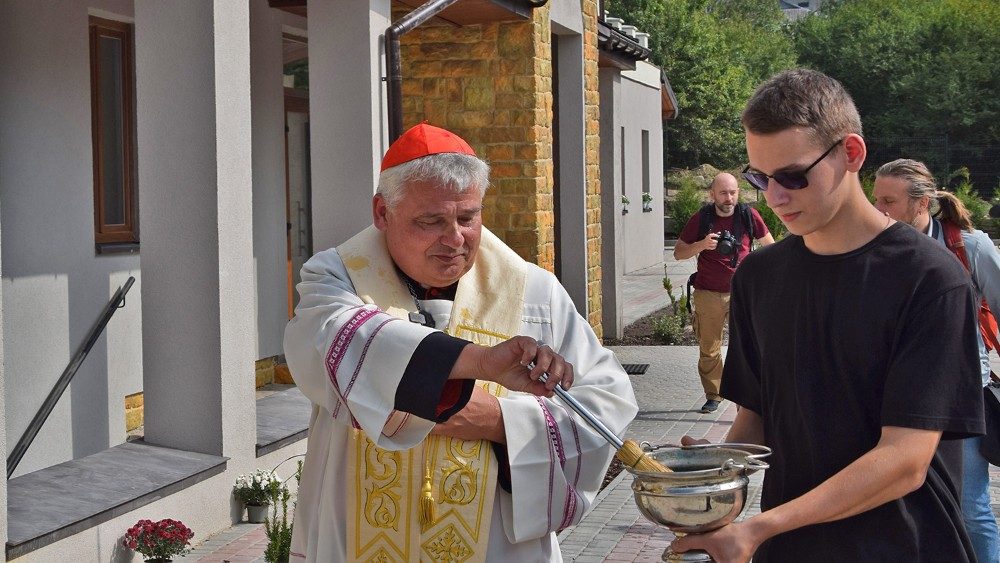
x=503 y=462
x=423 y=383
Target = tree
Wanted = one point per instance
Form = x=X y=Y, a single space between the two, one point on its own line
x=714 y=54
x=916 y=68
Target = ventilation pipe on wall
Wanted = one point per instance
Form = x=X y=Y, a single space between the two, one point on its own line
x=393 y=66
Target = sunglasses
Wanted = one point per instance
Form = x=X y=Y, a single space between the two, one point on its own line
x=788 y=180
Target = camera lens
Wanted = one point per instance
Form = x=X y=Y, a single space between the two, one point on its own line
x=727 y=243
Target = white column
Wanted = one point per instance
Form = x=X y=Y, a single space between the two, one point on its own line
x=572 y=169
x=269 y=234
x=3 y=422
x=194 y=147
x=612 y=249
x=346 y=113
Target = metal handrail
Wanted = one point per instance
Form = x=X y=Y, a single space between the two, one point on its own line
x=117 y=302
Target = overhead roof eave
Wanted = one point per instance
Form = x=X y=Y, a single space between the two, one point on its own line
x=617 y=49
x=668 y=99
x=467 y=12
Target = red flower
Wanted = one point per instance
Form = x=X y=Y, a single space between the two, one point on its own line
x=158 y=539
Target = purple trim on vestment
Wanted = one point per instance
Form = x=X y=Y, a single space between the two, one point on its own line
x=361 y=361
x=338 y=349
x=553 y=430
x=402 y=421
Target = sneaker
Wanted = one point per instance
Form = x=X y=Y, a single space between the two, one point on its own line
x=710 y=405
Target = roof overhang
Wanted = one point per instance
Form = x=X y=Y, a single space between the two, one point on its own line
x=466 y=12
x=668 y=99
x=617 y=50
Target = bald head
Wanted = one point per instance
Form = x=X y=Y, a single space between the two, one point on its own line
x=725 y=193
x=724 y=180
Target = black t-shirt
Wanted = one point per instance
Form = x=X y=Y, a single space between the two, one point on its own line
x=828 y=350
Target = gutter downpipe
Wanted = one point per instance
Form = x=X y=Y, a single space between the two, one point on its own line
x=393 y=67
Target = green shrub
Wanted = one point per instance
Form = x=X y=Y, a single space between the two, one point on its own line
x=868 y=185
x=277 y=528
x=978 y=208
x=669 y=329
x=681 y=310
x=770 y=218
x=687 y=201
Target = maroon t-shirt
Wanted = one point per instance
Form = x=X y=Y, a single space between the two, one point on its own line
x=715 y=271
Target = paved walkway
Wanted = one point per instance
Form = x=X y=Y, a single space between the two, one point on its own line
x=669 y=395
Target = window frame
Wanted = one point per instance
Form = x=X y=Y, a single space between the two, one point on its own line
x=119 y=236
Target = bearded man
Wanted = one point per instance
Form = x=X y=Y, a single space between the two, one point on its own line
x=723 y=216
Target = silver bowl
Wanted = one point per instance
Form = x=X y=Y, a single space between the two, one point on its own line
x=706 y=489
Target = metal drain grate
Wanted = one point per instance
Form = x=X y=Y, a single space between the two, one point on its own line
x=635 y=369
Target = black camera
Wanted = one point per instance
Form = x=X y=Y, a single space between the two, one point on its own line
x=726 y=244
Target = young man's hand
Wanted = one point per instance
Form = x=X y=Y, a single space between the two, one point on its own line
x=734 y=543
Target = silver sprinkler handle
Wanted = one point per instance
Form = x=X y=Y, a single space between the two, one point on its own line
x=581 y=410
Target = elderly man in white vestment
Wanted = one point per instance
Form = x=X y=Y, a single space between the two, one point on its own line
x=420 y=342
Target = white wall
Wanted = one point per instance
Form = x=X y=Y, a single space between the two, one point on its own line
x=641 y=110
x=347 y=115
x=54 y=286
x=268 y=123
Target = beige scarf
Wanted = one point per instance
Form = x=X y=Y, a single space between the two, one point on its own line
x=457 y=476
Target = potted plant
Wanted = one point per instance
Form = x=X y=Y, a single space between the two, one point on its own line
x=625 y=203
x=254 y=492
x=158 y=541
x=647 y=202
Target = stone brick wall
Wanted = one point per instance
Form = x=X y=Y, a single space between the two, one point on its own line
x=592 y=162
x=492 y=84
x=133 y=411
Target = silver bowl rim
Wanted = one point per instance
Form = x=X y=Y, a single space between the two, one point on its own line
x=754 y=461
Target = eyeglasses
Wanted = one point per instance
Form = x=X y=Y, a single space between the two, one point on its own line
x=788 y=180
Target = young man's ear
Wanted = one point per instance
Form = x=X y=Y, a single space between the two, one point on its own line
x=854 y=147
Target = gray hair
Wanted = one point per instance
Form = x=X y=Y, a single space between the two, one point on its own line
x=919 y=183
x=455 y=171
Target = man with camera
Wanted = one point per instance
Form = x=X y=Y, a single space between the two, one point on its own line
x=720 y=234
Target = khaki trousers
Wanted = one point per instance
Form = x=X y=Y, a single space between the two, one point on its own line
x=711 y=311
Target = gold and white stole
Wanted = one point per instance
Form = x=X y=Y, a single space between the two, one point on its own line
x=384 y=488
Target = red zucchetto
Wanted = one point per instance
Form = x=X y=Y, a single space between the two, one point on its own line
x=423 y=140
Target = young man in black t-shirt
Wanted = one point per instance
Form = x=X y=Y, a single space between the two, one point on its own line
x=831 y=357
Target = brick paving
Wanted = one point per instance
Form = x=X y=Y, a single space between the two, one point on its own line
x=243 y=543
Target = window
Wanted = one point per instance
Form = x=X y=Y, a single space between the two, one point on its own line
x=112 y=95
x=645 y=163
x=622 y=156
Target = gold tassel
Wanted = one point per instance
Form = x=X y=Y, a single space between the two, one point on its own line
x=427 y=503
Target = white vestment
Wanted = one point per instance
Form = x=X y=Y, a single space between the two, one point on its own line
x=557 y=462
